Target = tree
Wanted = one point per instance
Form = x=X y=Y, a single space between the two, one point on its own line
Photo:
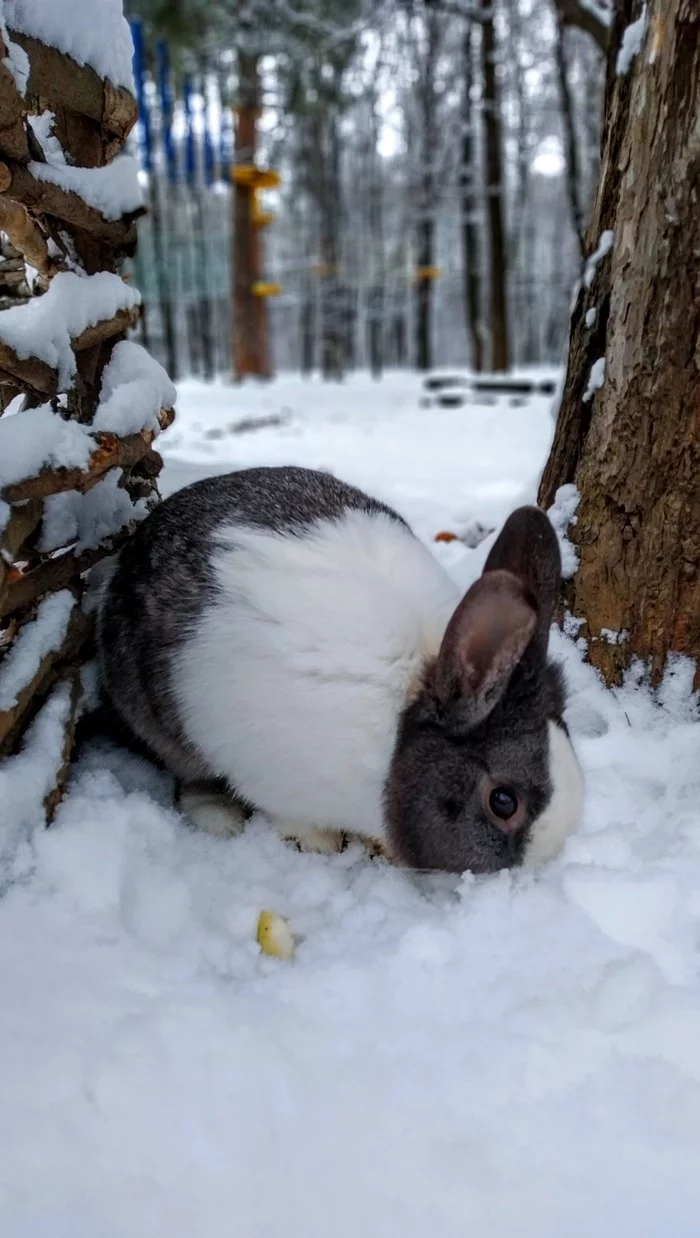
x=471 y=234
x=495 y=206
x=628 y=432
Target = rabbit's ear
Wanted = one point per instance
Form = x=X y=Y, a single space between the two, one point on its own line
x=484 y=641
x=527 y=546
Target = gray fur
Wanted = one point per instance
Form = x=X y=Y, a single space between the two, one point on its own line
x=433 y=805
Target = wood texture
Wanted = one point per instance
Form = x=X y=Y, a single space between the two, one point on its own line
x=633 y=450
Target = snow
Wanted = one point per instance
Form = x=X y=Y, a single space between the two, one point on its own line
x=86 y=519
x=506 y=1056
x=631 y=44
x=24 y=784
x=16 y=60
x=44 y=327
x=596 y=378
x=40 y=636
x=43 y=129
x=135 y=388
x=602 y=249
x=100 y=38
x=113 y=190
x=562 y=514
x=591 y=316
x=38 y=437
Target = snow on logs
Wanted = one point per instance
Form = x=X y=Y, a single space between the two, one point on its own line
x=80 y=406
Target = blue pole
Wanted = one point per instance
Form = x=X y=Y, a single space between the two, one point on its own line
x=209 y=156
x=166 y=108
x=145 y=140
x=190 y=158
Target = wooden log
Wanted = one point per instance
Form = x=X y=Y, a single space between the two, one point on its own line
x=107 y=329
x=111 y=452
x=28 y=372
x=52 y=574
x=47 y=673
x=39 y=377
x=22 y=522
x=25 y=235
x=13 y=134
x=59 y=82
x=45 y=198
x=54 y=797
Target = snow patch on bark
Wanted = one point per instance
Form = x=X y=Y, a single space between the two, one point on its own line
x=596 y=378
x=631 y=45
x=602 y=249
x=562 y=515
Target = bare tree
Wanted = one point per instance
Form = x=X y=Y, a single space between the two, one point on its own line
x=495 y=207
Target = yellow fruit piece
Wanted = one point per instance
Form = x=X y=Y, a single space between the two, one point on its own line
x=275 y=936
x=262 y=289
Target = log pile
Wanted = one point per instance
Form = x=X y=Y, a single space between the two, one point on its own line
x=79 y=406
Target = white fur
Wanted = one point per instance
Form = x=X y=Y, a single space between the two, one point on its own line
x=212 y=813
x=292 y=684
x=563 y=812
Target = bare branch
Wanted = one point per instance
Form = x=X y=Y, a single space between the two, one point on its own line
x=587 y=15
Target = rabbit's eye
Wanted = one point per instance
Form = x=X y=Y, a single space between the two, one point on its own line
x=503 y=803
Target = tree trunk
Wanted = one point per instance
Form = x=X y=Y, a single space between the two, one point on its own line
x=632 y=447
x=425 y=230
x=249 y=311
x=471 y=249
x=573 y=174
x=375 y=220
x=498 y=259
x=328 y=195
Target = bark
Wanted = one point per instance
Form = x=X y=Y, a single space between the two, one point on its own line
x=46 y=675
x=573 y=172
x=333 y=326
x=584 y=17
x=493 y=143
x=39 y=377
x=633 y=450
x=250 y=349
x=425 y=229
x=111 y=452
x=57 y=82
x=471 y=247
x=375 y=219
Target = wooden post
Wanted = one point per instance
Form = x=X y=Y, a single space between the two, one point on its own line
x=250 y=336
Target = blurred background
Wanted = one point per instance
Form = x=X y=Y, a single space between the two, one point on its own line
x=348 y=184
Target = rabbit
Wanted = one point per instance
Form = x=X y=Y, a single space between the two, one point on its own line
x=282 y=642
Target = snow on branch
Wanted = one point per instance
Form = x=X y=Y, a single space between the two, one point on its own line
x=85 y=520
x=15 y=60
x=38 y=438
x=113 y=190
x=37 y=640
x=76 y=311
x=135 y=390
x=97 y=34
x=30 y=782
x=108 y=452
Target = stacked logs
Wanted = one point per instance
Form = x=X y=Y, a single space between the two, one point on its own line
x=59 y=257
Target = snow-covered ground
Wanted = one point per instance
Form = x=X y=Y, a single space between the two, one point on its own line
x=512 y=1055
